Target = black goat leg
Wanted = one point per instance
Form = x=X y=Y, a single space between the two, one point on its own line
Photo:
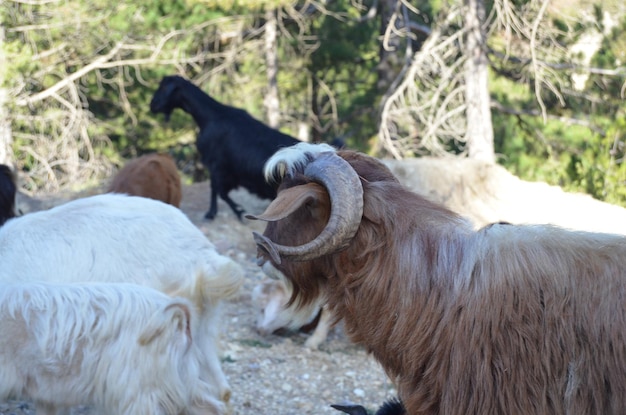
x=210 y=215
x=238 y=210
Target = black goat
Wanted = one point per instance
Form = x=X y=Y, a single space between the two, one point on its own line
x=7 y=193
x=390 y=407
x=232 y=144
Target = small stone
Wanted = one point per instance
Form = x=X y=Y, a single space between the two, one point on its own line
x=359 y=392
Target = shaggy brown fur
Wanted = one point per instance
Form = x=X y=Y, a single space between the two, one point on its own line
x=154 y=176
x=505 y=320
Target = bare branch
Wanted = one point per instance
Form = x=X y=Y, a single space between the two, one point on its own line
x=35 y=2
x=561 y=66
x=535 y=63
x=535 y=113
x=71 y=78
x=425 y=110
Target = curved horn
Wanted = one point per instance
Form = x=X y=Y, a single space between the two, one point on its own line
x=346 y=209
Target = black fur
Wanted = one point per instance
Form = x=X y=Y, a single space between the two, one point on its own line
x=391 y=407
x=233 y=145
x=7 y=194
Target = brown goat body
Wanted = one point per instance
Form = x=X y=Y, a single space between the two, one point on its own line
x=154 y=176
x=509 y=319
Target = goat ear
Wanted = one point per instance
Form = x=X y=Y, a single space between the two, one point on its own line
x=163 y=97
x=180 y=315
x=169 y=88
x=175 y=314
x=290 y=200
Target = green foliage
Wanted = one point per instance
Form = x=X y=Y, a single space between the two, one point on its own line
x=245 y=6
x=327 y=67
x=586 y=157
x=601 y=168
x=612 y=54
x=569 y=156
x=345 y=63
x=572 y=157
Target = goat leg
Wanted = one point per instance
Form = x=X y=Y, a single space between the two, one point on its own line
x=237 y=209
x=210 y=215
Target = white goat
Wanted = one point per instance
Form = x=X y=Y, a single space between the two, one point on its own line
x=123 y=348
x=119 y=238
x=271 y=297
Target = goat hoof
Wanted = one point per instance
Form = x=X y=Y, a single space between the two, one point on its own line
x=239 y=213
x=209 y=216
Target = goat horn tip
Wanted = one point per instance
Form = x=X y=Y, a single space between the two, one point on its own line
x=267 y=245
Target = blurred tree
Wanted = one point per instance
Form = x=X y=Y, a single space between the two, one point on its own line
x=6 y=137
x=440 y=107
x=479 y=130
x=76 y=68
x=392 y=77
x=272 y=102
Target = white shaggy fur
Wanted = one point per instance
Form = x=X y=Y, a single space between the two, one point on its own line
x=118 y=238
x=124 y=348
x=287 y=160
x=271 y=297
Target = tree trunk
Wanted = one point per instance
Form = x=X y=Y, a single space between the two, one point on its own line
x=272 y=103
x=389 y=59
x=479 y=134
x=6 y=138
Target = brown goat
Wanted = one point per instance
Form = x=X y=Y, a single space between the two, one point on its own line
x=154 y=176
x=508 y=319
